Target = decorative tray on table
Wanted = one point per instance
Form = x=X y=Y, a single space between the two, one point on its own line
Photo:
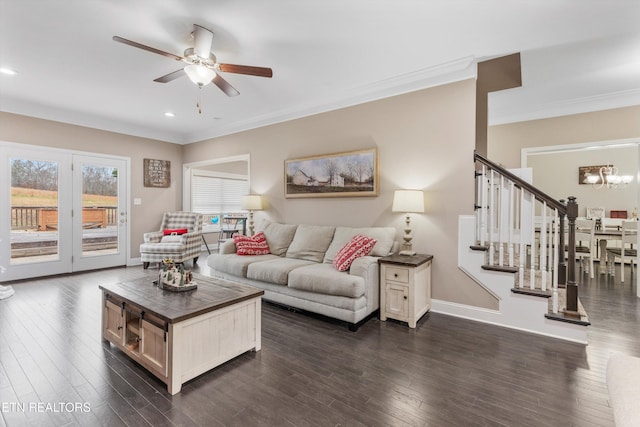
x=173 y=277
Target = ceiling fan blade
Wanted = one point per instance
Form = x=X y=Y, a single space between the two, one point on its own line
x=225 y=86
x=148 y=48
x=202 y=39
x=171 y=76
x=246 y=69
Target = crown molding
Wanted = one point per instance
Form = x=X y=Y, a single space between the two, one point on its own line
x=449 y=72
x=45 y=112
x=514 y=114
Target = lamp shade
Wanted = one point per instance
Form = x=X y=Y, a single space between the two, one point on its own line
x=199 y=74
x=408 y=201
x=252 y=202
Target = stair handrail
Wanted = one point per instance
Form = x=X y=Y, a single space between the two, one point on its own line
x=569 y=210
x=519 y=182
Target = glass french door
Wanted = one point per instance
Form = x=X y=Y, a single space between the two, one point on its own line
x=60 y=212
x=99 y=214
x=36 y=213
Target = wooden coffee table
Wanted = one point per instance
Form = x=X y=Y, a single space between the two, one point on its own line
x=180 y=335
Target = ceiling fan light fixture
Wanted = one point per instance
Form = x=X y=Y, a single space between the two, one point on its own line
x=199 y=74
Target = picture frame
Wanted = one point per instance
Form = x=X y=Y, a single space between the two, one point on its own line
x=157 y=173
x=346 y=174
x=584 y=171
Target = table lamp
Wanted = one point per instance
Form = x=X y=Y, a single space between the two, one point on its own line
x=408 y=201
x=252 y=202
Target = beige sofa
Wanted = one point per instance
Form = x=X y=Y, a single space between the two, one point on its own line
x=299 y=271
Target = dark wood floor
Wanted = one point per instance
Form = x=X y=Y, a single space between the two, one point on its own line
x=447 y=372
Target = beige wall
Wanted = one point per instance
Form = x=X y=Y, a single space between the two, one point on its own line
x=425 y=140
x=557 y=175
x=142 y=218
x=507 y=141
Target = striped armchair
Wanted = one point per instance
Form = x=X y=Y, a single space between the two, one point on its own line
x=179 y=248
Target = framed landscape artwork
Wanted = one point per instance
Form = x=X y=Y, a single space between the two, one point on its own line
x=349 y=174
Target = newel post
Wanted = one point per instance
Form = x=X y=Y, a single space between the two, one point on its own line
x=572 y=286
x=562 y=267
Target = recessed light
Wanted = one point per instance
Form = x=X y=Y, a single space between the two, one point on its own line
x=8 y=71
x=169 y=114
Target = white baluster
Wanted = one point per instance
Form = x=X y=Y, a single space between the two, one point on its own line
x=484 y=208
x=554 y=297
x=543 y=248
x=532 y=270
x=511 y=225
x=478 y=207
x=500 y=224
x=523 y=253
x=492 y=209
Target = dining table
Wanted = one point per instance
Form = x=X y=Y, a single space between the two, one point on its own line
x=603 y=235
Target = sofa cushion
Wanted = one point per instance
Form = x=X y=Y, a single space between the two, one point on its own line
x=357 y=247
x=383 y=235
x=251 y=245
x=169 y=231
x=172 y=238
x=310 y=242
x=274 y=270
x=324 y=279
x=279 y=236
x=234 y=264
x=163 y=248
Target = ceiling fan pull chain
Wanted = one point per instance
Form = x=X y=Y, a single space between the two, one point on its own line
x=198 y=101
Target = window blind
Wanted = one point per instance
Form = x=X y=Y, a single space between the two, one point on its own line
x=217 y=194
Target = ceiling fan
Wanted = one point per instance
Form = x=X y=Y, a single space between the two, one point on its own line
x=202 y=67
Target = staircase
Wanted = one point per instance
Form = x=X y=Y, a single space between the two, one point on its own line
x=514 y=247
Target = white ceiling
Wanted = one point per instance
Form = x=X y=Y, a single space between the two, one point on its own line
x=577 y=55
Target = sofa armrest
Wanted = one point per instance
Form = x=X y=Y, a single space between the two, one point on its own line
x=367 y=268
x=192 y=237
x=360 y=266
x=153 y=237
x=228 y=247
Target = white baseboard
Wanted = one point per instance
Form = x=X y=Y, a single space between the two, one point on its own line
x=577 y=333
x=134 y=261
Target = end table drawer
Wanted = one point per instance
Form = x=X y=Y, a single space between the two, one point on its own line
x=397 y=274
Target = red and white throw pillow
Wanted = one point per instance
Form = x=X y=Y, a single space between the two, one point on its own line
x=251 y=245
x=175 y=231
x=358 y=246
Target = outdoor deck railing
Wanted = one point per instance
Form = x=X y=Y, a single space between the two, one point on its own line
x=28 y=218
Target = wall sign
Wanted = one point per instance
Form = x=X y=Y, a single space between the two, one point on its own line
x=157 y=173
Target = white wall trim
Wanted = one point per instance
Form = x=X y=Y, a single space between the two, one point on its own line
x=491 y=317
x=187 y=168
x=515 y=311
x=449 y=72
x=588 y=104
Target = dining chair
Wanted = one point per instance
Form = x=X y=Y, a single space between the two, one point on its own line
x=625 y=251
x=585 y=238
x=611 y=223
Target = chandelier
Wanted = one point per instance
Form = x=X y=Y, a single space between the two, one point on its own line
x=608 y=176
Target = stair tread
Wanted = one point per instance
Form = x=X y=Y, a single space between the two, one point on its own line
x=533 y=292
x=504 y=268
